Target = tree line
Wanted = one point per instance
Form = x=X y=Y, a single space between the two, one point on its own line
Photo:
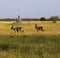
x=52 y=18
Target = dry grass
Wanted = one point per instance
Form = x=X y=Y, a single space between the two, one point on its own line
x=30 y=43
x=29 y=28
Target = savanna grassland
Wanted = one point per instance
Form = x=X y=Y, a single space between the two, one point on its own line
x=30 y=43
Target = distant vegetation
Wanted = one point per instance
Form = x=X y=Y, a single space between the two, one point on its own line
x=52 y=18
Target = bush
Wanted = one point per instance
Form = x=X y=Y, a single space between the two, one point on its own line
x=42 y=19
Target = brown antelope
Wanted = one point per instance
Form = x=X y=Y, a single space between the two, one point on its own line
x=38 y=28
x=17 y=29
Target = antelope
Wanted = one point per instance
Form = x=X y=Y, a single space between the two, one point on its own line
x=17 y=29
x=38 y=28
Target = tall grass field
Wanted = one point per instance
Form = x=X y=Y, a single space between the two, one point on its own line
x=30 y=43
